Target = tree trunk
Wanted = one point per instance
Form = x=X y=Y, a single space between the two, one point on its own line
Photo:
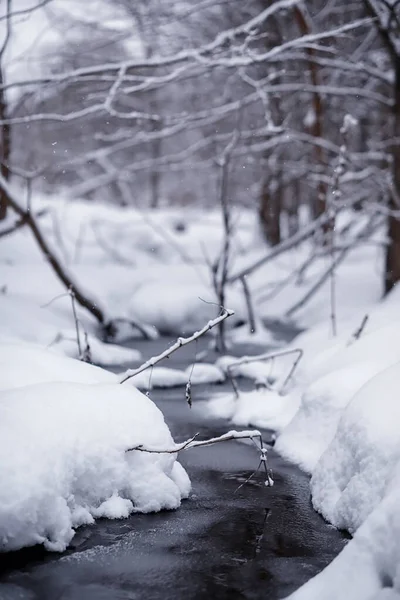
x=270 y=213
x=316 y=129
x=392 y=259
x=5 y=147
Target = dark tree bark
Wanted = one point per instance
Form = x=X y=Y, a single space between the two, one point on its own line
x=5 y=149
x=270 y=212
x=5 y=128
x=392 y=259
x=389 y=31
x=316 y=129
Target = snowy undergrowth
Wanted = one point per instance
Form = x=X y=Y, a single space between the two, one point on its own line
x=154 y=266
x=64 y=430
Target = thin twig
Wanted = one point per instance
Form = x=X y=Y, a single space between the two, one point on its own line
x=363 y=234
x=230 y=435
x=249 y=305
x=245 y=360
x=226 y=312
x=191 y=443
x=78 y=341
x=357 y=334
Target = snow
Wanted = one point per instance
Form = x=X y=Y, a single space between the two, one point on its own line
x=260 y=337
x=205 y=373
x=255 y=370
x=356 y=485
x=339 y=420
x=314 y=425
x=166 y=377
x=27 y=364
x=65 y=427
x=330 y=419
x=158 y=275
x=159 y=377
x=265 y=408
x=365 y=450
x=346 y=435
x=110 y=355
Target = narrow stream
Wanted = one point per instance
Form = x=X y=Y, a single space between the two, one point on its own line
x=255 y=542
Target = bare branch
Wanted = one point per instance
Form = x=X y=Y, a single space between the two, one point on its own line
x=245 y=360
x=226 y=312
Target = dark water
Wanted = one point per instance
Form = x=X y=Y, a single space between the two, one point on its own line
x=255 y=542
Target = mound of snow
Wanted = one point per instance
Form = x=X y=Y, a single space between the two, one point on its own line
x=314 y=425
x=26 y=364
x=109 y=355
x=159 y=377
x=356 y=485
x=65 y=427
x=257 y=370
x=205 y=373
x=353 y=473
x=176 y=308
x=266 y=408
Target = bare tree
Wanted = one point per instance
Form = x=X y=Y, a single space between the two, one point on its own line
x=387 y=20
x=5 y=127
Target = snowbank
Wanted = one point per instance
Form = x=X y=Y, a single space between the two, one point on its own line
x=266 y=408
x=346 y=433
x=356 y=486
x=107 y=355
x=65 y=427
x=340 y=421
x=336 y=374
x=27 y=364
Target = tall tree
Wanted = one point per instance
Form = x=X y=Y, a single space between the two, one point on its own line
x=386 y=15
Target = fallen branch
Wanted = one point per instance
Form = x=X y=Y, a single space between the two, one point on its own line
x=245 y=360
x=226 y=312
x=226 y=437
x=57 y=267
x=18 y=224
x=85 y=301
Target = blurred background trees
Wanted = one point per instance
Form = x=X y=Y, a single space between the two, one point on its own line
x=135 y=101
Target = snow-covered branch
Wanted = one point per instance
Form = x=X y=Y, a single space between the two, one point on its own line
x=180 y=343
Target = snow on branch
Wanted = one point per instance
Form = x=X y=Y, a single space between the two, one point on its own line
x=193 y=443
x=180 y=342
x=245 y=360
x=226 y=437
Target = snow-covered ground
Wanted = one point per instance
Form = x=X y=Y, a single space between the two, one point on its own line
x=338 y=418
x=154 y=267
x=65 y=427
x=340 y=421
